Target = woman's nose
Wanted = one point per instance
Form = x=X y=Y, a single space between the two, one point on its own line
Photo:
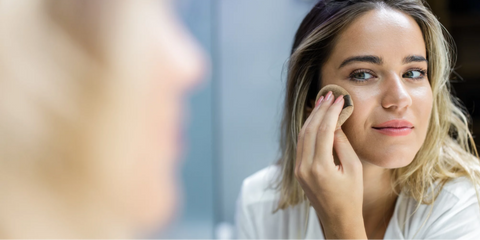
x=182 y=59
x=188 y=63
x=396 y=95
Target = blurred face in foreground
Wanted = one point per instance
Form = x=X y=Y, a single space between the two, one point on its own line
x=92 y=106
x=176 y=66
x=159 y=63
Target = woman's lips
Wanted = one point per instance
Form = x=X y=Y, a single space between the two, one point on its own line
x=394 y=128
x=394 y=131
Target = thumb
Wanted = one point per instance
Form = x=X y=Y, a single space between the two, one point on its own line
x=347 y=156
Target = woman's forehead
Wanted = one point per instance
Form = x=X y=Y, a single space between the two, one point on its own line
x=387 y=33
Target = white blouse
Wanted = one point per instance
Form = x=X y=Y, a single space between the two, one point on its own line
x=455 y=213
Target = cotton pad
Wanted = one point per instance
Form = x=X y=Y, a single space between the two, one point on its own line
x=348 y=103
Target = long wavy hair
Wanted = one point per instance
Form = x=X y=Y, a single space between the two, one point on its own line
x=448 y=151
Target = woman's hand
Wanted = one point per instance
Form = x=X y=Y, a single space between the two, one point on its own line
x=335 y=191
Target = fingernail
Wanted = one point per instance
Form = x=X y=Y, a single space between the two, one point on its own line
x=339 y=99
x=319 y=101
x=329 y=95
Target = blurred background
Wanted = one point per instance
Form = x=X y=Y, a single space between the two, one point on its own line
x=234 y=121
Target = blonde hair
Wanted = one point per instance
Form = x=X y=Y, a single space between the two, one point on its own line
x=448 y=151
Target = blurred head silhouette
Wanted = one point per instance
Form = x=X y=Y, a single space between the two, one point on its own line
x=91 y=109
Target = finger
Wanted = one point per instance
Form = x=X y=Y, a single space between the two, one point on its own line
x=346 y=155
x=325 y=133
x=311 y=130
x=301 y=136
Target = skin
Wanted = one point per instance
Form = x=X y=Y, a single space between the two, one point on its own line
x=176 y=66
x=151 y=108
x=134 y=141
x=354 y=199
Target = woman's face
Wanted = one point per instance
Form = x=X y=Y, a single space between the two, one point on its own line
x=380 y=59
x=166 y=63
x=176 y=66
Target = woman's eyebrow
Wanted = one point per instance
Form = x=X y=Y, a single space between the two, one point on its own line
x=414 y=58
x=378 y=60
x=363 y=58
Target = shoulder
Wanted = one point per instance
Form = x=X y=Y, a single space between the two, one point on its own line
x=260 y=186
x=460 y=188
x=454 y=213
x=457 y=194
x=457 y=191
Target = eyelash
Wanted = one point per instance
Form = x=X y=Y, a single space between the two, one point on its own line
x=422 y=74
x=360 y=71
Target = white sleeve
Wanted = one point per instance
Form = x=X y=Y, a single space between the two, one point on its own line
x=461 y=221
x=244 y=222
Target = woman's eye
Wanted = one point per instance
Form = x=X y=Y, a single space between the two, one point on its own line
x=413 y=74
x=361 y=75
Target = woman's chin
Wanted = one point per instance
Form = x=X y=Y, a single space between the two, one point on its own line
x=389 y=162
x=154 y=215
x=154 y=198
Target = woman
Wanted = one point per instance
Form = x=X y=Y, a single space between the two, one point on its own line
x=404 y=164
x=91 y=102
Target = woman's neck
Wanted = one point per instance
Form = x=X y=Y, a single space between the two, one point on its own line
x=378 y=199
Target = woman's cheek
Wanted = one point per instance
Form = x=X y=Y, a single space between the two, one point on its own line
x=423 y=109
x=356 y=127
x=355 y=120
x=352 y=127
